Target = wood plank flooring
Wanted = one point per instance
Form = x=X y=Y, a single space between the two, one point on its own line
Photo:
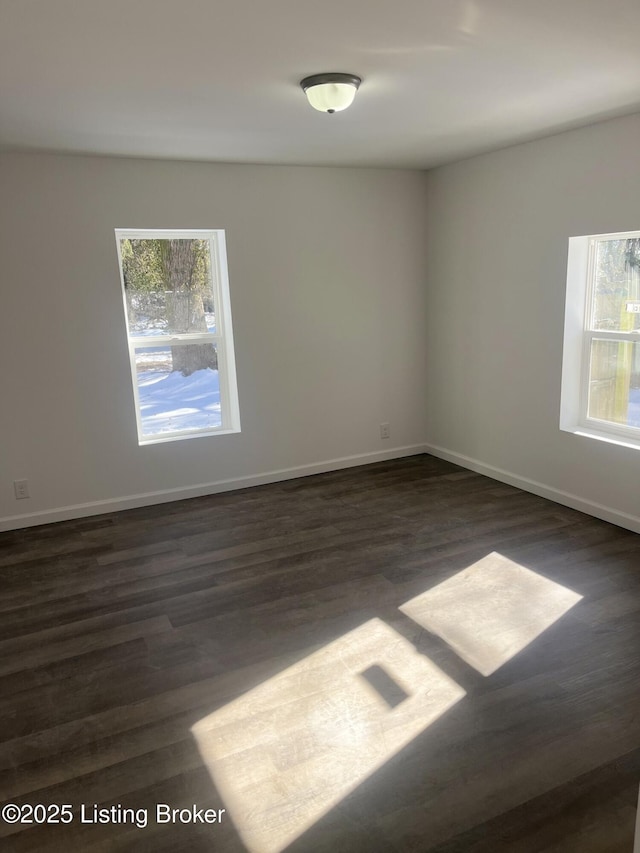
x=248 y=652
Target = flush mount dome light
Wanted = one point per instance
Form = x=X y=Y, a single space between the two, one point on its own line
x=331 y=92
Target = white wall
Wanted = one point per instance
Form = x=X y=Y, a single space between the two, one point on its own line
x=328 y=298
x=498 y=230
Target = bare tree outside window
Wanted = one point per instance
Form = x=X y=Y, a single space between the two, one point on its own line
x=172 y=288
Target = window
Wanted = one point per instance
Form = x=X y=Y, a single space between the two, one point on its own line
x=601 y=364
x=178 y=315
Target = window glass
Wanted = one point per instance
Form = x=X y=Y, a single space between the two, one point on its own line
x=168 y=286
x=178 y=315
x=616 y=293
x=614 y=382
x=172 y=398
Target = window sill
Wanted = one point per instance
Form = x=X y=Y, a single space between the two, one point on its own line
x=163 y=439
x=602 y=435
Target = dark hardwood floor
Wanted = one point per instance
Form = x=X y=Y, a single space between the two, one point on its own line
x=248 y=652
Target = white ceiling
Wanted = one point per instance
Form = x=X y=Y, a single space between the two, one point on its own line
x=218 y=79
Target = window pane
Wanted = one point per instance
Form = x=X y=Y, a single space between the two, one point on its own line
x=178 y=388
x=616 y=301
x=614 y=382
x=168 y=286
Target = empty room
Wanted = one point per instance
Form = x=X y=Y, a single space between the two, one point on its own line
x=320 y=426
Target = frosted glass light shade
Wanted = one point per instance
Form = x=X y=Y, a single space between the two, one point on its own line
x=331 y=93
x=331 y=97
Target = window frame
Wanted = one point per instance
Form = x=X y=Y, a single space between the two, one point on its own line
x=578 y=337
x=222 y=338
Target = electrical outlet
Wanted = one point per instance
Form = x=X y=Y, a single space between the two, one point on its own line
x=385 y=431
x=21 y=489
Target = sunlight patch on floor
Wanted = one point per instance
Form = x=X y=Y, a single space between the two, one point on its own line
x=490 y=611
x=286 y=752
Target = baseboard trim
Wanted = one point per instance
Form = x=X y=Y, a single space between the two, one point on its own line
x=621 y=519
x=16 y=522
x=65 y=513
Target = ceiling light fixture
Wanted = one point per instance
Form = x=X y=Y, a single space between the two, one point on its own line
x=330 y=92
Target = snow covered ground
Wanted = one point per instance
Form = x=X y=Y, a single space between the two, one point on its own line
x=170 y=401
